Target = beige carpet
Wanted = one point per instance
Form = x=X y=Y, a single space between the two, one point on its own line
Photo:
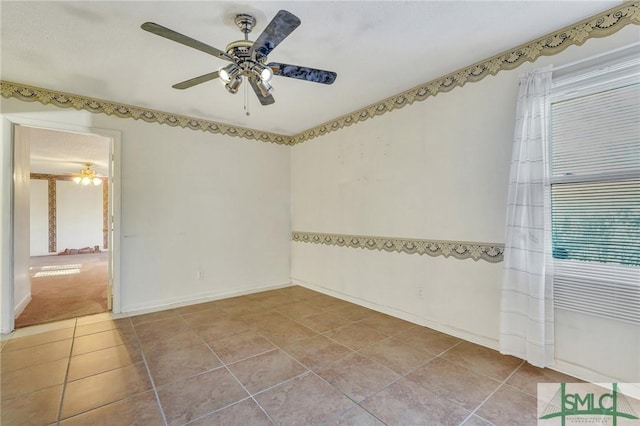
x=65 y=287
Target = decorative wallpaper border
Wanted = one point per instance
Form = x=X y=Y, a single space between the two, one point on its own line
x=493 y=253
x=600 y=25
x=24 y=92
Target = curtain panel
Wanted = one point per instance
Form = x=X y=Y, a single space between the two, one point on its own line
x=526 y=321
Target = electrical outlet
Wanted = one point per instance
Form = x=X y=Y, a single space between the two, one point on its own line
x=200 y=275
x=420 y=294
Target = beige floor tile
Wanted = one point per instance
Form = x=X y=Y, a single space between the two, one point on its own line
x=139 y=410
x=317 y=351
x=223 y=327
x=277 y=299
x=355 y=336
x=396 y=355
x=190 y=309
x=43 y=328
x=407 y=403
x=38 y=339
x=208 y=316
x=160 y=328
x=248 y=307
x=324 y=321
x=427 y=339
x=286 y=332
x=240 y=346
x=245 y=412
x=476 y=421
x=101 y=317
x=198 y=396
x=483 y=360
x=527 y=377
x=104 y=388
x=509 y=406
x=35 y=409
x=357 y=376
x=265 y=370
x=354 y=312
x=297 y=310
x=233 y=302
x=182 y=364
x=153 y=316
x=102 y=340
x=103 y=360
x=386 y=324
x=327 y=302
x=31 y=379
x=270 y=342
x=455 y=382
x=305 y=400
x=170 y=343
x=356 y=416
x=27 y=357
x=112 y=324
x=300 y=292
x=267 y=320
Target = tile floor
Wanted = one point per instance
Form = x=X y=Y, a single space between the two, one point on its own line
x=290 y=356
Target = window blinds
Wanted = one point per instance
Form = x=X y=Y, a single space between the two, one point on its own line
x=595 y=190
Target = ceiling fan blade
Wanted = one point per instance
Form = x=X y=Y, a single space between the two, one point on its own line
x=303 y=73
x=196 y=80
x=278 y=29
x=264 y=100
x=183 y=39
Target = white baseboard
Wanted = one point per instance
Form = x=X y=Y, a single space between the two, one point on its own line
x=407 y=316
x=20 y=306
x=577 y=371
x=159 y=305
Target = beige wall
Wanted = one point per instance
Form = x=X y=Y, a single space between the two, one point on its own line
x=190 y=202
x=436 y=170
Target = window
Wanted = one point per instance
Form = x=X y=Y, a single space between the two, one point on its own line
x=594 y=175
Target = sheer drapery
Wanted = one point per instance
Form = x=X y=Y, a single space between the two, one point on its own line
x=526 y=322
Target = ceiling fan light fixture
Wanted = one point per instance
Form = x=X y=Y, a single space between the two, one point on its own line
x=264 y=73
x=233 y=85
x=229 y=73
x=265 y=87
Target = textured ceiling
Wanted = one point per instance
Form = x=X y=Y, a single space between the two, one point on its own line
x=97 y=49
x=63 y=153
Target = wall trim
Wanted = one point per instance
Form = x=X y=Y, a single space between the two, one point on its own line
x=490 y=252
x=601 y=25
x=28 y=93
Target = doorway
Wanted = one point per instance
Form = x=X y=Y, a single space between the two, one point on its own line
x=62 y=230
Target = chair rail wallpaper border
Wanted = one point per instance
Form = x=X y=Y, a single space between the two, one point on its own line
x=490 y=252
x=601 y=25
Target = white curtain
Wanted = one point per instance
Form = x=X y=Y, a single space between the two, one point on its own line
x=526 y=322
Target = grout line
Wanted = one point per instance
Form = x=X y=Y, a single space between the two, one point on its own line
x=503 y=383
x=146 y=366
x=66 y=373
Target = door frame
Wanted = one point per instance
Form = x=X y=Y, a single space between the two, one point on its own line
x=7 y=304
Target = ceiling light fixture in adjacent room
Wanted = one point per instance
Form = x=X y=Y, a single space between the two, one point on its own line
x=87 y=176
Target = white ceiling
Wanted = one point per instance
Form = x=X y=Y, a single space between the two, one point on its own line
x=63 y=153
x=378 y=49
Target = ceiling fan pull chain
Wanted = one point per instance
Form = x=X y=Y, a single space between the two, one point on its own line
x=246 y=98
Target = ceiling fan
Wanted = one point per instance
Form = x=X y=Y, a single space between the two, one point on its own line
x=248 y=58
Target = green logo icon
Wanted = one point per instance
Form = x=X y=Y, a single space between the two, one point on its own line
x=609 y=402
